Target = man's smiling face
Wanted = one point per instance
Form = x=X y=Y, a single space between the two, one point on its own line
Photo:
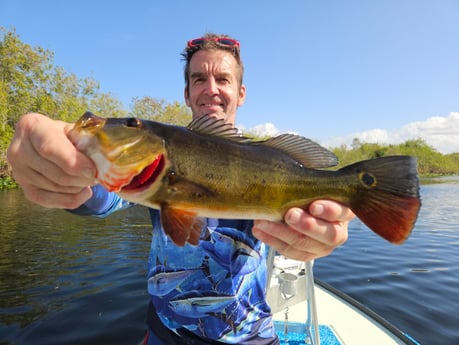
x=214 y=85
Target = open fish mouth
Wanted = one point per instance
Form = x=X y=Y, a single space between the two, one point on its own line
x=146 y=177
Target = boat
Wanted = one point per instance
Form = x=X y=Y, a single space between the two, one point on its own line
x=310 y=311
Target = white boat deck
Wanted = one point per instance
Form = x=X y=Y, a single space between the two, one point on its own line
x=350 y=325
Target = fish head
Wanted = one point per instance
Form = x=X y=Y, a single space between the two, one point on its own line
x=128 y=156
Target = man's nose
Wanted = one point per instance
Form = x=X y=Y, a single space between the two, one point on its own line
x=211 y=86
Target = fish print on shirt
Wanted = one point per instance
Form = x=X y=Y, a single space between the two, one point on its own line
x=215 y=289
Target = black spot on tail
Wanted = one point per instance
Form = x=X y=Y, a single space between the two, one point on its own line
x=368 y=180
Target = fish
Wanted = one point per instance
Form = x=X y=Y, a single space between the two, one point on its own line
x=162 y=281
x=209 y=169
x=232 y=250
x=198 y=304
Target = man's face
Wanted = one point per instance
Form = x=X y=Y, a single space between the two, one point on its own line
x=213 y=85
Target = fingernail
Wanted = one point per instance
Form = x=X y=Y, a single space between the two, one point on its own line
x=294 y=217
x=316 y=209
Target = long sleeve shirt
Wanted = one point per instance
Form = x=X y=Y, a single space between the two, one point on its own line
x=210 y=293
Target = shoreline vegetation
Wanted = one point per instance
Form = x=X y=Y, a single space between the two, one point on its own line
x=31 y=82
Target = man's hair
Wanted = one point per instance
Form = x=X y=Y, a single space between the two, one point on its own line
x=209 y=44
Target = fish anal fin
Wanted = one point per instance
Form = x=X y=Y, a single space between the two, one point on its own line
x=180 y=225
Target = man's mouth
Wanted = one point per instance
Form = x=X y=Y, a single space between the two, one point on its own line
x=147 y=176
x=212 y=106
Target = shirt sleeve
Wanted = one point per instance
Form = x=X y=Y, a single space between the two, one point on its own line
x=101 y=204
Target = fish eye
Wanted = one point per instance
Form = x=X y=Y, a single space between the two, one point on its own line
x=132 y=122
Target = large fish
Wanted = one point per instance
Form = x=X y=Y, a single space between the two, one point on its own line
x=207 y=169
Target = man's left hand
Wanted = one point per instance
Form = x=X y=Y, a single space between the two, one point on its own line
x=305 y=236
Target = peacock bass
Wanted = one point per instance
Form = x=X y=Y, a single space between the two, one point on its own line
x=208 y=169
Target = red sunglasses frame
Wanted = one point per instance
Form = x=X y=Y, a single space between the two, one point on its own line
x=223 y=41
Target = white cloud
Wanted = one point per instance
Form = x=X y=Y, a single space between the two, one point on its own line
x=266 y=129
x=442 y=133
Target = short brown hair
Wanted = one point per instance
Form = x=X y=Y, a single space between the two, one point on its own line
x=209 y=44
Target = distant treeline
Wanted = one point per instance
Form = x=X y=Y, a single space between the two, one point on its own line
x=30 y=82
x=430 y=161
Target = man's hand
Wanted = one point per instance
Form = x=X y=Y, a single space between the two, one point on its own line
x=306 y=236
x=47 y=166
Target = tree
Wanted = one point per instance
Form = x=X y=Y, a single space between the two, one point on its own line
x=154 y=109
x=29 y=81
x=23 y=71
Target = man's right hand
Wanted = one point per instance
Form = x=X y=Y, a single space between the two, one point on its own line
x=48 y=167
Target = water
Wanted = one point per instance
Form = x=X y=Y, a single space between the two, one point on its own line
x=66 y=279
x=414 y=286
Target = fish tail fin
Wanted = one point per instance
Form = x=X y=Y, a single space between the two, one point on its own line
x=387 y=197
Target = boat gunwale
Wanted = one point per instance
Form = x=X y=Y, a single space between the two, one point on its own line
x=406 y=338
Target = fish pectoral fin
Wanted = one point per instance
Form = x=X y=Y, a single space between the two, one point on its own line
x=181 y=226
x=188 y=189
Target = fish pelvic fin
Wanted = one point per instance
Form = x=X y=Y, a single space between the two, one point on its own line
x=387 y=199
x=181 y=226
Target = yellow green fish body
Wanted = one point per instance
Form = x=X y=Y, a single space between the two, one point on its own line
x=208 y=170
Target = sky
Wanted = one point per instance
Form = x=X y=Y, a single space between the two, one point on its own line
x=331 y=70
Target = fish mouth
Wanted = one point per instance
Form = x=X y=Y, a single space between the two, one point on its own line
x=146 y=177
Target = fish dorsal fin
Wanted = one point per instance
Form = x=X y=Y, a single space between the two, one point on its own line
x=303 y=150
x=212 y=126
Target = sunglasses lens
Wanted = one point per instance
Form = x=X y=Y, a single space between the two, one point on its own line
x=227 y=42
x=196 y=42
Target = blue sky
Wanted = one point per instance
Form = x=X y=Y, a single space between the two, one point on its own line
x=383 y=71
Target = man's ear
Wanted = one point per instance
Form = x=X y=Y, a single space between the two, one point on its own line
x=242 y=92
x=186 y=95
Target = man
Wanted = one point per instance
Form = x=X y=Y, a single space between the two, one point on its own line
x=213 y=292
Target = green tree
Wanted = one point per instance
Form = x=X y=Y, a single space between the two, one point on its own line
x=154 y=109
x=430 y=161
x=29 y=81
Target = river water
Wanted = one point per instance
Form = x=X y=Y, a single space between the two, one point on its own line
x=66 y=279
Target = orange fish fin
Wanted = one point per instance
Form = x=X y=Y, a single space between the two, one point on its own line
x=181 y=226
x=387 y=195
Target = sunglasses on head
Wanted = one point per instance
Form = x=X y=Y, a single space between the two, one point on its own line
x=222 y=41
